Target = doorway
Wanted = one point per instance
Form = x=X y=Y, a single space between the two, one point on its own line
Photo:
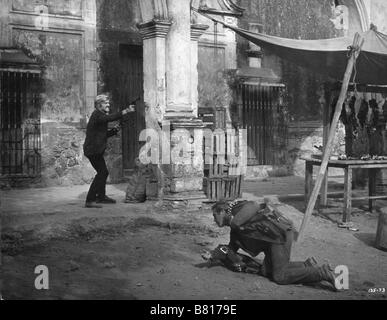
x=263 y=114
x=130 y=88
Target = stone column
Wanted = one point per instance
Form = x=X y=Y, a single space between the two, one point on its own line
x=154 y=47
x=154 y=35
x=196 y=31
x=184 y=172
x=179 y=102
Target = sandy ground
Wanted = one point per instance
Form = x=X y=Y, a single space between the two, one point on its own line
x=143 y=251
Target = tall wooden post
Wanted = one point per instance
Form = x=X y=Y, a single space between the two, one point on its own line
x=326 y=126
x=355 y=50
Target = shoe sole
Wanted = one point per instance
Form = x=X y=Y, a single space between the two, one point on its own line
x=94 y=207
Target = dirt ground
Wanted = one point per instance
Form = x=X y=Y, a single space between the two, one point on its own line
x=141 y=252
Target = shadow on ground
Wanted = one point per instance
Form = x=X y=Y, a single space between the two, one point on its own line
x=366 y=238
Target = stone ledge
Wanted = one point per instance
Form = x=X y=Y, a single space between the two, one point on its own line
x=154 y=29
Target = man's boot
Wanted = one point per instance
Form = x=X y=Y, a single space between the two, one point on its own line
x=92 y=204
x=328 y=275
x=106 y=200
x=311 y=262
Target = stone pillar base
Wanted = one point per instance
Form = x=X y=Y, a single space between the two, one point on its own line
x=185 y=196
x=177 y=113
x=186 y=201
x=183 y=177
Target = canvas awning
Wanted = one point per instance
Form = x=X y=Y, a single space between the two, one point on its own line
x=327 y=56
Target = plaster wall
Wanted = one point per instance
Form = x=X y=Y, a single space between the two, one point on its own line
x=378 y=11
x=179 y=56
x=60 y=35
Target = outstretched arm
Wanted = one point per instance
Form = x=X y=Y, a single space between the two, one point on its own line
x=102 y=118
x=115 y=116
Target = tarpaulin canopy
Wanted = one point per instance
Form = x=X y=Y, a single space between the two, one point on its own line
x=329 y=56
x=337 y=58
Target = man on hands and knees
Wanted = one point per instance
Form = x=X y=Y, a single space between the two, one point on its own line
x=257 y=228
x=94 y=147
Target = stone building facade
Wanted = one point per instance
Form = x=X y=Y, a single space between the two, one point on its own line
x=61 y=37
x=161 y=53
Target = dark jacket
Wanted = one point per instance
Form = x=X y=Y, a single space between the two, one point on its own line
x=97 y=132
x=253 y=227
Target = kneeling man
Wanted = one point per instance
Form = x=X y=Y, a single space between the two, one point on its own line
x=256 y=228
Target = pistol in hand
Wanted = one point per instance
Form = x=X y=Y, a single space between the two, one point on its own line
x=132 y=108
x=117 y=127
x=129 y=109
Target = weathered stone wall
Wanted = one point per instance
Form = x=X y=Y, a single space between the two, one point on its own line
x=378 y=14
x=62 y=102
x=116 y=24
x=61 y=55
x=304 y=136
x=62 y=40
x=63 y=162
x=354 y=23
x=224 y=36
x=217 y=54
x=62 y=7
x=213 y=88
x=298 y=19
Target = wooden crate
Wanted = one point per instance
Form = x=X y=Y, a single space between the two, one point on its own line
x=223 y=182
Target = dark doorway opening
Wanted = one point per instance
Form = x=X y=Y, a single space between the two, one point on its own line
x=130 y=88
x=263 y=113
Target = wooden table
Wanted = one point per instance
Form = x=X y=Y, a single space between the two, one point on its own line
x=347 y=165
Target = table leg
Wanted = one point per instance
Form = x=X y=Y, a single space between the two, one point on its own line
x=308 y=181
x=371 y=187
x=347 y=194
x=324 y=190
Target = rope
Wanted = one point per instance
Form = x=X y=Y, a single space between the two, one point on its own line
x=208 y=16
x=354 y=77
x=355 y=50
x=215 y=39
x=215 y=28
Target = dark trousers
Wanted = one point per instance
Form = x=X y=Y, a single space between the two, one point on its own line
x=98 y=186
x=277 y=265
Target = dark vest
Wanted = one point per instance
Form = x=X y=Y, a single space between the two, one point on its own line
x=97 y=132
x=265 y=225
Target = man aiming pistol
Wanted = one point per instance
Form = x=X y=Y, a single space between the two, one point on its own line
x=95 y=145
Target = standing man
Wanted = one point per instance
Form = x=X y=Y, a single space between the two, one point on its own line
x=94 y=147
x=256 y=228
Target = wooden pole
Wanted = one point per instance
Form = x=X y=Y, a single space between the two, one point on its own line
x=326 y=125
x=355 y=50
x=381 y=233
